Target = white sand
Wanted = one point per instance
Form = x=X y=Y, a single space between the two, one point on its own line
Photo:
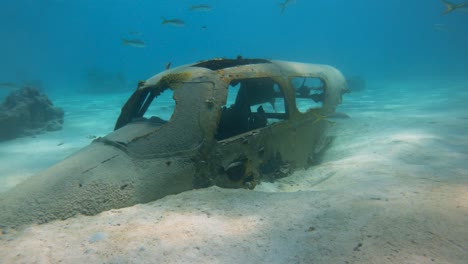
x=393 y=188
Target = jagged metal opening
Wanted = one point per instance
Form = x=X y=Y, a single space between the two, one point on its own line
x=226 y=63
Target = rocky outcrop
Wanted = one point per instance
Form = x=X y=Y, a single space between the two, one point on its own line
x=28 y=111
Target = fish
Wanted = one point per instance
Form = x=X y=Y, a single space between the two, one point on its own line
x=137 y=43
x=200 y=8
x=450 y=7
x=9 y=85
x=173 y=22
x=441 y=27
x=284 y=4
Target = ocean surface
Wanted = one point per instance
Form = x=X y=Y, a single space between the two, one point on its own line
x=392 y=188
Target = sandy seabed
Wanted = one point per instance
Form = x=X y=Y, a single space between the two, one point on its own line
x=393 y=188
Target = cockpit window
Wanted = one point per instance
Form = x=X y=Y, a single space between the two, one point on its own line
x=157 y=107
x=162 y=106
x=252 y=103
x=310 y=93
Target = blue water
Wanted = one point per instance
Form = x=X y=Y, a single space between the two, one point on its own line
x=392 y=187
x=56 y=43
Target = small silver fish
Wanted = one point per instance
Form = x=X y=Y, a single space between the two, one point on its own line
x=173 y=22
x=205 y=8
x=137 y=43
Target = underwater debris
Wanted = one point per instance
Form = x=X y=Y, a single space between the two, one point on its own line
x=207 y=138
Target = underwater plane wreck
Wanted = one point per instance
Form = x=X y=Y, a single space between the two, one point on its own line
x=235 y=122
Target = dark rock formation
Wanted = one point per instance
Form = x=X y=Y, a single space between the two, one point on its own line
x=27 y=111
